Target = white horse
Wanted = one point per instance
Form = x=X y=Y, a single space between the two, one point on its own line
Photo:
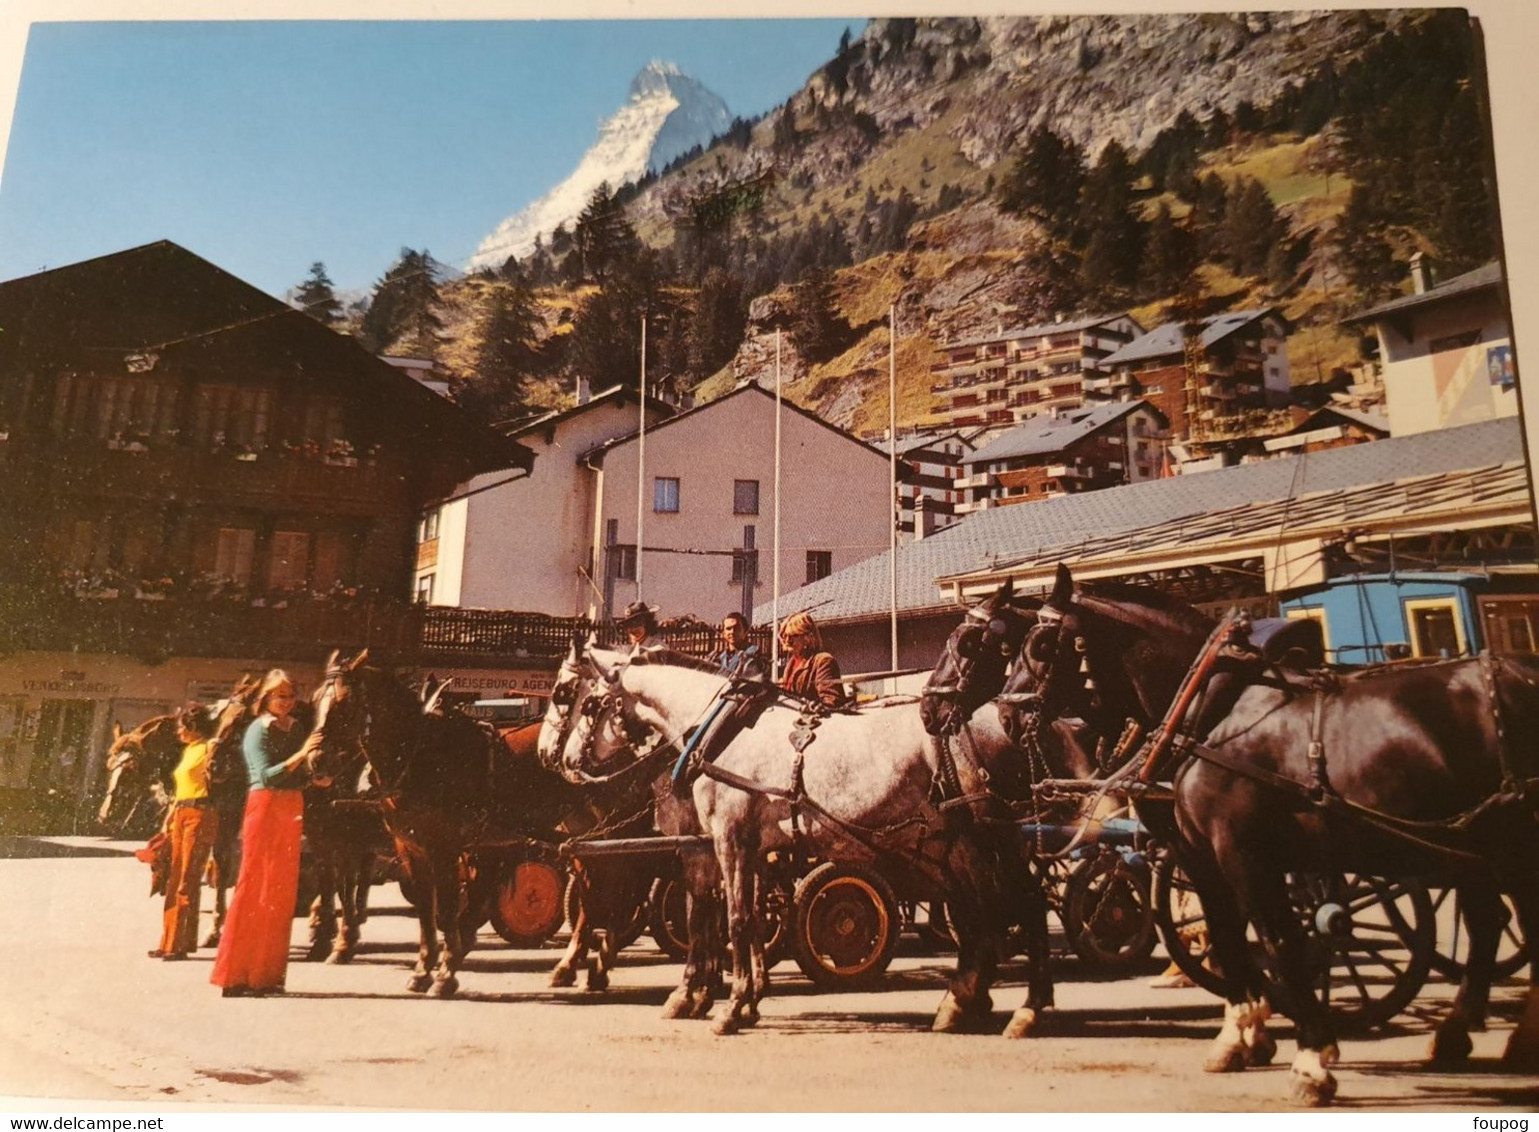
x=863 y=789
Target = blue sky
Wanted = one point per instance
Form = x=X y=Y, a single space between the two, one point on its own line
x=266 y=146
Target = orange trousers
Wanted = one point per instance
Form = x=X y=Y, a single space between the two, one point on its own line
x=191 y=833
x=254 y=949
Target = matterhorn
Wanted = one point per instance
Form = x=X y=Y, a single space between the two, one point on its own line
x=668 y=113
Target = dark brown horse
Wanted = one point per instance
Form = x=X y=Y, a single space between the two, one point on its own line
x=1410 y=770
x=453 y=792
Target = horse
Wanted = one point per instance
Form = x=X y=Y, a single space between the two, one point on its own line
x=448 y=784
x=139 y=766
x=1405 y=769
x=866 y=786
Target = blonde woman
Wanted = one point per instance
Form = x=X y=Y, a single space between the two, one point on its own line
x=809 y=672
x=254 y=950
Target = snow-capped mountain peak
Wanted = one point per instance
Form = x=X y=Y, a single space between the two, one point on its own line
x=667 y=114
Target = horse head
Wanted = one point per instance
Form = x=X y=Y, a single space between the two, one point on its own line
x=971 y=669
x=136 y=761
x=342 y=703
x=599 y=733
x=1096 y=659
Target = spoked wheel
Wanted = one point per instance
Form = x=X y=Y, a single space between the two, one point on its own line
x=1108 y=914
x=846 y=925
x=527 y=906
x=635 y=925
x=1372 y=940
x=1452 y=950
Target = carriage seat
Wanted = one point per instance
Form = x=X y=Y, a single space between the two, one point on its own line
x=1295 y=644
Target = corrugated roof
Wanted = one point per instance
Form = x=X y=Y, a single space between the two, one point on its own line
x=1487 y=275
x=1046 y=435
x=1171 y=339
x=1010 y=533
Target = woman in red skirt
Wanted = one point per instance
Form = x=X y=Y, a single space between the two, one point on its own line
x=254 y=950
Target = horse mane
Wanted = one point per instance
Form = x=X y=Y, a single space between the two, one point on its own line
x=1168 y=612
x=144 y=732
x=676 y=659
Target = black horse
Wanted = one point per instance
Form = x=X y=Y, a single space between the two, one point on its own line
x=1401 y=770
x=448 y=783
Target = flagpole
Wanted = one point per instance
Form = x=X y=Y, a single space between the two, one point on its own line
x=641 y=457
x=892 y=467
x=775 y=569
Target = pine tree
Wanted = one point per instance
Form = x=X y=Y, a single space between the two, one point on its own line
x=817 y=329
x=316 y=298
x=1252 y=227
x=1044 y=182
x=1363 y=252
x=714 y=328
x=1109 y=214
x=603 y=238
x=404 y=312
x=1170 y=256
x=507 y=355
x=605 y=342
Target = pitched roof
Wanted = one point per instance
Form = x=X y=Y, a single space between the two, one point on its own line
x=1043 y=436
x=160 y=299
x=1320 y=417
x=598 y=452
x=918 y=440
x=1487 y=275
x=1170 y=338
x=614 y=395
x=1007 y=533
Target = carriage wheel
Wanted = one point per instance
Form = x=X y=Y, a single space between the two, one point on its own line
x=1108 y=914
x=1182 y=924
x=846 y=925
x=527 y=906
x=1370 y=939
x=1452 y=949
x=1378 y=946
x=633 y=929
x=668 y=916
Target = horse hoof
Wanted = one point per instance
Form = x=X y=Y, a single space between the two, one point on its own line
x=726 y=1025
x=677 y=1005
x=702 y=1007
x=1309 y=1092
x=418 y=984
x=948 y=1018
x=337 y=957
x=597 y=981
x=1234 y=1059
x=212 y=940
x=1451 y=1045
x=317 y=953
x=1261 y=1051
x=1522 y=1052
x=1022 y=1023
x=445 y=988
x=563 y=977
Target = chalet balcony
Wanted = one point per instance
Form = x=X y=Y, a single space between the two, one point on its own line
x=976 y=480
x=298 y=629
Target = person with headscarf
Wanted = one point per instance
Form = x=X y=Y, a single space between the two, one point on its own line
x=809 y=672
x=254 y=949
x=191 y=826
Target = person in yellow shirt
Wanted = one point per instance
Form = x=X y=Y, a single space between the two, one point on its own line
x=191 y=827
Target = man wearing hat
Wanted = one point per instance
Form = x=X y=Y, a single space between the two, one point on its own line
x=638 y=621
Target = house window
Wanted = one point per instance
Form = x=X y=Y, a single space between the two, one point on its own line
x=820 y=564
x=233 y=553
x=1435 y=626
x=329 y=568
x=623 y=556
x=1510 y=624
x=427 y=526
x=289 y=566
x=424 y=594
x=665 y=494
x=229 y=416
x=745 y=497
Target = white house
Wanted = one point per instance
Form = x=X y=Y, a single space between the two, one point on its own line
x=507 y=540
x=1445 y=350
x=708 y=507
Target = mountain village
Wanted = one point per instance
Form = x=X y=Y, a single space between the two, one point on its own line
x=214 y=481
